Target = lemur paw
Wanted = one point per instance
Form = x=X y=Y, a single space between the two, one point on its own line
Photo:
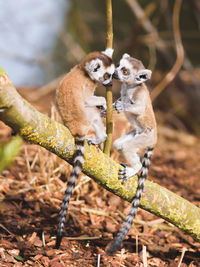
x=125 y=173
x=118 y=106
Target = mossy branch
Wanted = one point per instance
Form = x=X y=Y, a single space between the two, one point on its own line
x=37 y=128
x=109 y=44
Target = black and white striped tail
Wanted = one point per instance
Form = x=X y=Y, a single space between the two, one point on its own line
x=77 y=168
x=116 y=243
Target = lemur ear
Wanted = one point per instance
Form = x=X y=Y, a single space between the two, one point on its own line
x=142 y=76
x=126 y=55
x=108 y=52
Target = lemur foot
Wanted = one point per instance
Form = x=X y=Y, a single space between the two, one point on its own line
x=125 y=173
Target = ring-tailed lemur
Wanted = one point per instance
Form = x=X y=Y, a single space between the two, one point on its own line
x=136 y=103
x=77 y=106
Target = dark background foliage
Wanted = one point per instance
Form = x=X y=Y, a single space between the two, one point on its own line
x=86 y=27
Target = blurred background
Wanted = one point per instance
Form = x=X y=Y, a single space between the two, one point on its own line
x=40 y=41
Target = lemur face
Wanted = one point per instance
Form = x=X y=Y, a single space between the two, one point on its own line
x=131 y=71
x=98 y=72
x=101 y=68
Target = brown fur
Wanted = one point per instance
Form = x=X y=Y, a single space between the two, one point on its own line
x=70 y=96
x=75 y=88
x=137 y=64
x=105 y=59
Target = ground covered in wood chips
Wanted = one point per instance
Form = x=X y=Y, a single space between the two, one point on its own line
x=31 y=194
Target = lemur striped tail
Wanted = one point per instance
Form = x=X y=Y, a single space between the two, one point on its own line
x=116 y=243
x=77 y=168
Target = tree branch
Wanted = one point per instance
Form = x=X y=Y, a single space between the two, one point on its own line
x=37 y=128
x=109 y=44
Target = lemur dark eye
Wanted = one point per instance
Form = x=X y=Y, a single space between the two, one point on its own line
x=117 y=65
x=106 y=76
x=143 y=76
x=97 y=67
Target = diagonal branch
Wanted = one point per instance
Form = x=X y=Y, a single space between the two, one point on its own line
x=37 y=128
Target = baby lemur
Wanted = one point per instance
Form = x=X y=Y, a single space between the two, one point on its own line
x=135 y=102
x=77 y=106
